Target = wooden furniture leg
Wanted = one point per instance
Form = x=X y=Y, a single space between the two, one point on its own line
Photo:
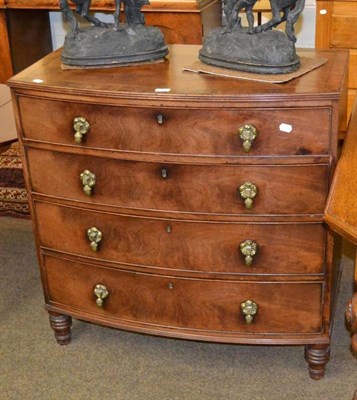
x=351 y=312
x=61 y=324
x=6 y=70
x=317 y=356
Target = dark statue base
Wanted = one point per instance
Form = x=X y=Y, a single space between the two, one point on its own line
x=268 y=52
x=97 y=46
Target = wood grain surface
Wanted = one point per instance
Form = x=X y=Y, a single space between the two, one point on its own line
x=341 y=209
x=204 y=189
x=184 y=246
x=140 y=82
x=182 y=131
x=205 y=305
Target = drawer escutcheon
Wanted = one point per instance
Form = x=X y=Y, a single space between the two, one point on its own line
x=160 y=119
x=164 y=173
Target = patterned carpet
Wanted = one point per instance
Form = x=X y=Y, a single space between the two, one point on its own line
x=13 y=195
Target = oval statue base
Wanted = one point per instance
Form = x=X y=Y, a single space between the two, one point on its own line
x=97 y=46
x=268 y=52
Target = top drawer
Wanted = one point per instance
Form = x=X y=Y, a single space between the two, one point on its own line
x=179 y=131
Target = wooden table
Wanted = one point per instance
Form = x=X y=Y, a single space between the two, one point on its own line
x=341 y=211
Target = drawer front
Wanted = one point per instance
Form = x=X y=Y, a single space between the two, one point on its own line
x=178 y=131
x=181 y=188
x=344 y=25
x=171 y=302
x=182 y=246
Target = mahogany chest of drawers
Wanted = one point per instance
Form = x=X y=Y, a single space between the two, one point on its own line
x=195 y=213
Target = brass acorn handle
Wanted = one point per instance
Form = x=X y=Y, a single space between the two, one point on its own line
x=248 y=249
x=94 y=236
x=101 y=293
x=247 y=192
x=88 y=181
x=81 y=127
x=249 y=309
x=248 y=133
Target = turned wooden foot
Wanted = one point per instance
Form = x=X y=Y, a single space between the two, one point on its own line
x=351 y=316
x=317 y=355
x=61 y=324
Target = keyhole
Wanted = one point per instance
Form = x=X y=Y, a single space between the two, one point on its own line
x=170 y=286
x=168 y=229
x=160 y=119
x=164 y=173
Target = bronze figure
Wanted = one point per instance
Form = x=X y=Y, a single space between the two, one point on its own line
x=291 y=10
x=131 y=8
x=257 y=49
x=103 y=44
x=232 y=9
x=82 y=8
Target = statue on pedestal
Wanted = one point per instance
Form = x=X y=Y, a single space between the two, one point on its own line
x=258 y=49
x=103 y=44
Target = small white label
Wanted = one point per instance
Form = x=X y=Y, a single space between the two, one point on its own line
x=37 y=80
x=285 y=128
x=162 y=90
x=323 y=12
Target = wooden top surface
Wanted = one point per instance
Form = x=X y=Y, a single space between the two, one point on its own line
x=140 y=81
x=341 y=210
x=104 y=5
x=336 y=1
x=108 y=5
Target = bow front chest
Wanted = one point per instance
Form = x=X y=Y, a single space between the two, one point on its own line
x=193 y=212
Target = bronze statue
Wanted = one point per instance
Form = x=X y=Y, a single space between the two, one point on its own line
x=103 y=44
x=232 y=9
x=257 y=49
x=82 y=8
x=291 y=11
x=132 y=13
x=132 y=8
